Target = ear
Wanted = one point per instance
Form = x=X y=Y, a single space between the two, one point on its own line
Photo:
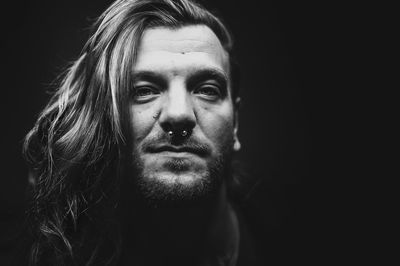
x=236 y=143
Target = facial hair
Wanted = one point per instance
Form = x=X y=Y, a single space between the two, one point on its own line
x=201 y=190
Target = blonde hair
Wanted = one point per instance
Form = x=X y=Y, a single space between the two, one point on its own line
x=76 y=146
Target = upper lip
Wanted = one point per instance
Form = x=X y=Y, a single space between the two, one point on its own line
x=171 y=148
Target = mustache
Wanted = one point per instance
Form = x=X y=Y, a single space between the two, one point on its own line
x=165 y=143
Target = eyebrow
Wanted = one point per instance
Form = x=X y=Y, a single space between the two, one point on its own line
x=149 y=76
x=206 y=74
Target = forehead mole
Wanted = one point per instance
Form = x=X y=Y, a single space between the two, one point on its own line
x=182 y=40
x=164 y=48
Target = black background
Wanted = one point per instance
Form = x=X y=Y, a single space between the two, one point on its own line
x=287 y=52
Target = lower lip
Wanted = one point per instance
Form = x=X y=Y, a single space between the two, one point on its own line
x=176 y=154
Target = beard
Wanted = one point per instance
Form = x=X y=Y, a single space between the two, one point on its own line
x=205 y=187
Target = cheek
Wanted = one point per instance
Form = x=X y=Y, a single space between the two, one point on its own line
x=217 y=125
x=141 y=122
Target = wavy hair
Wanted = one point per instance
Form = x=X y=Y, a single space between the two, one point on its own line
x=76 y=146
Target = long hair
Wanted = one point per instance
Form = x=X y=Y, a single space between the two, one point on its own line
x=76 y=146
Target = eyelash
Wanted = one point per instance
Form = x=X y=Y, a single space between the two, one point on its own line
x=146 y=89
x=207 y=91
x=207 y=88
x=144 y=93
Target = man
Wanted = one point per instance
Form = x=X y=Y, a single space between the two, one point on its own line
x=131 y=159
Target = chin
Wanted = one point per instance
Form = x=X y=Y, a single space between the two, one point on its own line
x=178 y=181
x=186 y=179
x=168 y=188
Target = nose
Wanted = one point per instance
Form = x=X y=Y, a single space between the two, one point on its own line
x=177 y=112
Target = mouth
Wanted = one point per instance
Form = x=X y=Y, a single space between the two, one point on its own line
x=200 y=151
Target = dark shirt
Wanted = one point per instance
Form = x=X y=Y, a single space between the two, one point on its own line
x=271 y=232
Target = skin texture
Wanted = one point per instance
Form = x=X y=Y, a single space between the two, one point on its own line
x=181 y=82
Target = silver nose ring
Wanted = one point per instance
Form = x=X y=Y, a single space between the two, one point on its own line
x=183 y=133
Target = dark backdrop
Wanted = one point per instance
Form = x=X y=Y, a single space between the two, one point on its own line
x=282 y=52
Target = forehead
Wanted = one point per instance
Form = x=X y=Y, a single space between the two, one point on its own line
x=181 y=49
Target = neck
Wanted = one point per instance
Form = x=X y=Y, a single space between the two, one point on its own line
x=181 y=232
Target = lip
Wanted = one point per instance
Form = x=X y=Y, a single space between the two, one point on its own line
x=177 y=150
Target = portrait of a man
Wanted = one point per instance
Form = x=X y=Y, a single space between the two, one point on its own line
x=135 y=157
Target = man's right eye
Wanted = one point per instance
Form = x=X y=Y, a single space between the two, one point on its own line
x=144 y=93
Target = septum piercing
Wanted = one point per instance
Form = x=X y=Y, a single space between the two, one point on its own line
x=183 y=133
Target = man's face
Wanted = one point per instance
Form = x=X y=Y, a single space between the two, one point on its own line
x=181 y=83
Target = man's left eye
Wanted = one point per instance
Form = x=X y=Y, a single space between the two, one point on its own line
x=210 y=91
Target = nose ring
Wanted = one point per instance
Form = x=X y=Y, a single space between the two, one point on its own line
x=183 y=133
